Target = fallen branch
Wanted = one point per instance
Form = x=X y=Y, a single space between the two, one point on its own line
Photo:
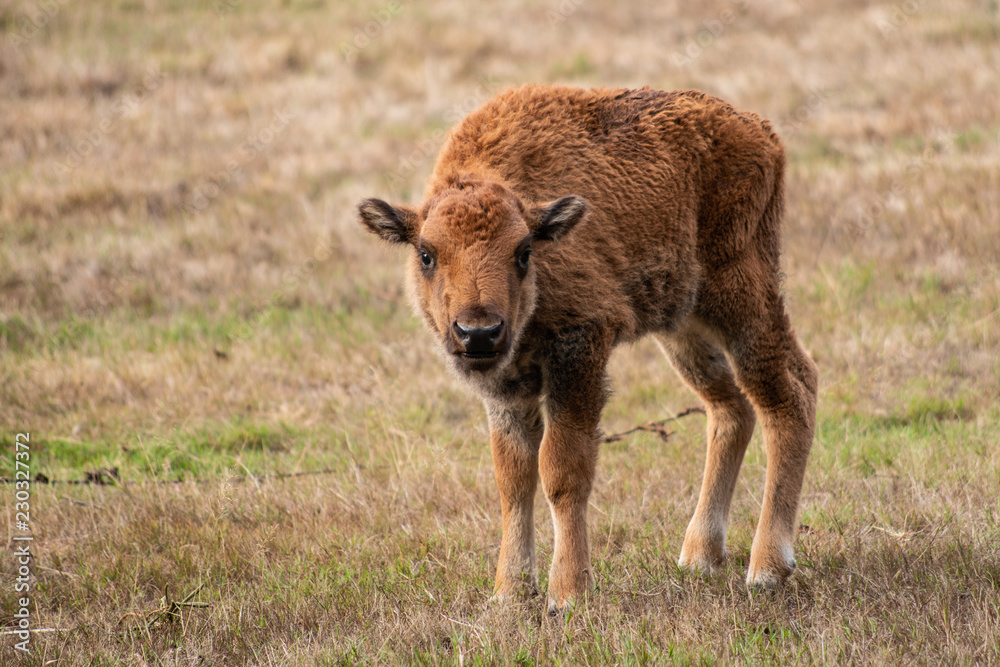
x=657 y=427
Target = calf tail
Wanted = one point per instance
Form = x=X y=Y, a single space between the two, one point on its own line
x=769 y=229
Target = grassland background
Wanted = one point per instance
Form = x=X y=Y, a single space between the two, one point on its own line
x=185 y=295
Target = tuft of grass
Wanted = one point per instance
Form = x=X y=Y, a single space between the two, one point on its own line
x=15 y=334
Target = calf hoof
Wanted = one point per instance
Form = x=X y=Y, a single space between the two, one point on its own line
x=700 y=565
x=701 y=554
x=514 y=590
x=769 y=567
x=565 y=589
x=564 y=607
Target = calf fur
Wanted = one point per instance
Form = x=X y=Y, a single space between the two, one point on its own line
x=561 y=222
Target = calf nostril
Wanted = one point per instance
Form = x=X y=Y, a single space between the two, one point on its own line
x=463 y=332
x=494 y=331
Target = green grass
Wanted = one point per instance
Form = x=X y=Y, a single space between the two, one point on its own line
x=210 y=451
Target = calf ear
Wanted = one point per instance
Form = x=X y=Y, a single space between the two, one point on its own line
x=555 y=219
x=395 y=224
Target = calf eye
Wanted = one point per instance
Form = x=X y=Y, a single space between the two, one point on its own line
x=522 y=259
x=426 y=260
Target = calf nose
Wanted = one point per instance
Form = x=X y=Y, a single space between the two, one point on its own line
x=478 y=340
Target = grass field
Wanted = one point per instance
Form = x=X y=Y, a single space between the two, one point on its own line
x=185 y=295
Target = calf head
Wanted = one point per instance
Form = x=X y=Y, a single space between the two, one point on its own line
x=471 y=273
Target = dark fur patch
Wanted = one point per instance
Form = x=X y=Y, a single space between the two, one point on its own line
x=527 y=383
x=574 y=359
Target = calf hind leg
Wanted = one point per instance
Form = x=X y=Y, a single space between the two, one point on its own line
x=781 y=381
x=703 y=366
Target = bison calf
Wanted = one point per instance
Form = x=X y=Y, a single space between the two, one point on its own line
x=561 y=222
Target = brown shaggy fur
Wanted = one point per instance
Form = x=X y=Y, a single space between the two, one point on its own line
x=561 y=222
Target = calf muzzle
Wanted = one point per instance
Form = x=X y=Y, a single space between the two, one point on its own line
x=479 y=342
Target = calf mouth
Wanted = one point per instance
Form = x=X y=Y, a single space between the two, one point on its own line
x=479 y=361
x=480 y=355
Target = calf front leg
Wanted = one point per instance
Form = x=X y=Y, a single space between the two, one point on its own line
x=515 y=434
x=567 y=464
x=575 y=396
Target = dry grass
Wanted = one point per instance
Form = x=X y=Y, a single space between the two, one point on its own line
x=184 y=294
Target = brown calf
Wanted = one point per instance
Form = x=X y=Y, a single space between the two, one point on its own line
x=561 y=222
